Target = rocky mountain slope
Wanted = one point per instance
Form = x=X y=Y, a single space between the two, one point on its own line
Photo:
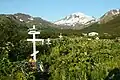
x=108 y=23
x=110 y=15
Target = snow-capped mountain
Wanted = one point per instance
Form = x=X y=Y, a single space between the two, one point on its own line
x=76 y=18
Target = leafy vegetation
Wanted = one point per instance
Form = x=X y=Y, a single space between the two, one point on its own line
x=70 y=58
x=13 y=49
x=82 y=59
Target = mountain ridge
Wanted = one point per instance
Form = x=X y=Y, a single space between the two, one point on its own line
x=42 y=24
x=111 y=26
x=109 y=15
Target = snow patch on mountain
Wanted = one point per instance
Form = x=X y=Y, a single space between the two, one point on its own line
x=16 y=16
x=75 y=18
x=21 y=20
x=31 y=18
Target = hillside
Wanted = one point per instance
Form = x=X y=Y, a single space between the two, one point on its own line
x=110 y=15
x=11 y=30
x=108 y=23
x=46 y=28
x=111 y=27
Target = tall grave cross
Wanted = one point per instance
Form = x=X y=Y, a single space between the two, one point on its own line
x=34 y=32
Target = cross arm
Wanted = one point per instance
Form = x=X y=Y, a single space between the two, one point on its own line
x=35 y=40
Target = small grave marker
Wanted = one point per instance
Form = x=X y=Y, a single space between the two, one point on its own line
x=60 y=36
x=48 y=41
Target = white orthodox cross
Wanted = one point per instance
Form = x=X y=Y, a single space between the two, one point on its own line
x=33 y=32
x=48 y=41
x=60 y=36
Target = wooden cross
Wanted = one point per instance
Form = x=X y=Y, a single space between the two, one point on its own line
x=33 y=32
